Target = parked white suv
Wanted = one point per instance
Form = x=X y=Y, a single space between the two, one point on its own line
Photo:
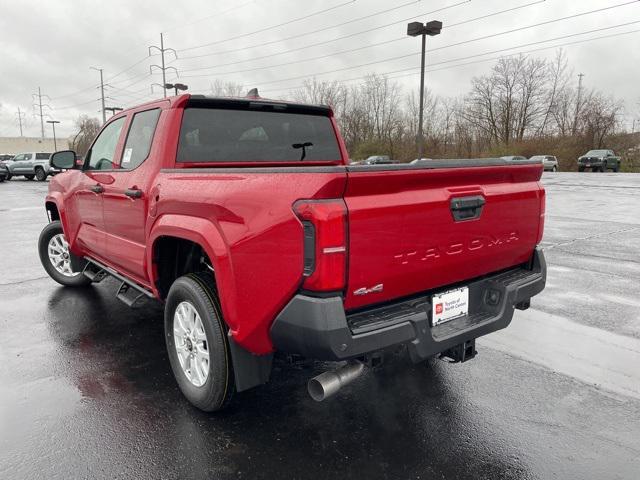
x=31 y=165
x=549 y=161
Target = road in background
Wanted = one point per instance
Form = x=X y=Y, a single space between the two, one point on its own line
x=86 y=389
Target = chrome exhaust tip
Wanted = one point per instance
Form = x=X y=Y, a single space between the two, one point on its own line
x=329 y=383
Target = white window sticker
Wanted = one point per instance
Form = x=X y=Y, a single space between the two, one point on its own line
x=126 y=158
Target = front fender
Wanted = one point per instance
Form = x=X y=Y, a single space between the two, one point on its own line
x=208 y=235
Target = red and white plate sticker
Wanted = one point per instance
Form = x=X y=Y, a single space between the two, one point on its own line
x=449 y=305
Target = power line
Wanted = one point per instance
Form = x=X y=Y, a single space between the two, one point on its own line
x=312 y=32
x=214 y=15
x=521 y=52
x=333 y=54
x=458 y=59
x=353 y=35
x=271 y=27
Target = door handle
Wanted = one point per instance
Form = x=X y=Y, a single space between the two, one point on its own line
x=466 y=208
x=133 y=193
x=96 y=188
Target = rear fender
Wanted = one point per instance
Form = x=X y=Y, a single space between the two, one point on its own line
x=206 y=234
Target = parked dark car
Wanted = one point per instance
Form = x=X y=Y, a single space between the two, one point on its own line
x=4 y=172
x=599 y=161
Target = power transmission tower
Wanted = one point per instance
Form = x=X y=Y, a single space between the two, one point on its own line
x=104 y=113
x=574 y=129
x=20 y=115
x=39 y=104
x=162 y=67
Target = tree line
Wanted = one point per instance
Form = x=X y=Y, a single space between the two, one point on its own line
x=523 y=106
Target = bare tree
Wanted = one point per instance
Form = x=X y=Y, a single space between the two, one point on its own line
x=88 y=128
x=220 y=88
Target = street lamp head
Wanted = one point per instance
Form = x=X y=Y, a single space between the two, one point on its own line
x=433 y=27
x=53 y=121
x=180 y=86
x=414 y=29
x=168 y=85
x=430 y=28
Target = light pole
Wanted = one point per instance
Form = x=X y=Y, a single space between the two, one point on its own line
x=414 y=29
x=53 y=125
x=176 y=87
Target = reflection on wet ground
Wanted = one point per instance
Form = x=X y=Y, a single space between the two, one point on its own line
x=86 y=392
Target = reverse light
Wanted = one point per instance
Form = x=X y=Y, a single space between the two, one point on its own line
x=324 y=225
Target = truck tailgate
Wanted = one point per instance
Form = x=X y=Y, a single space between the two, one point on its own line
x=413 y=229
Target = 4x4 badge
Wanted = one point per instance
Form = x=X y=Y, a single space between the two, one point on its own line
x=364 y=291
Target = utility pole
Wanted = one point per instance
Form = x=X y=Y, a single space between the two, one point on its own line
x=39 y=104
x=574 y=129
x=53 y=124
x=113 y=110
x=20 y=120
x=104 y=114
x=163 y=68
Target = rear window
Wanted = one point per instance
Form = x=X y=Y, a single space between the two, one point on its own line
x=225 y=135
x=42 y=156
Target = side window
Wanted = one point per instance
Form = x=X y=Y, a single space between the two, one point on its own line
x=104 y=148
x=139 y=138
x=18 y=157
x=28 y=156
x=42 y=156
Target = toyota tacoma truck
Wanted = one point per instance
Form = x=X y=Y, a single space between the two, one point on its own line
x=31 y=165
x=599 y=160
x=243 y=217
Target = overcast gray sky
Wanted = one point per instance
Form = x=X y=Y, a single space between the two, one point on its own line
x=52 y=45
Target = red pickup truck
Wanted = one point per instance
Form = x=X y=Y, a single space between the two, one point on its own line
x=245 y=219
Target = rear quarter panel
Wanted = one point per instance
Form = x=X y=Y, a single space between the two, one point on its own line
x=254 y=237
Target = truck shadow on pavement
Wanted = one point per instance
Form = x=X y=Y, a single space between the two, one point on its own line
x=398 y=421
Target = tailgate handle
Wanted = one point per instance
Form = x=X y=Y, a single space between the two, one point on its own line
x=467 y=208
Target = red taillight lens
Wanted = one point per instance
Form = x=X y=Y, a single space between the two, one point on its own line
x=324 y=225
x=543 y=208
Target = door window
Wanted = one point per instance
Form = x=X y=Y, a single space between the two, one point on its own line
x=18 y=157
x=102 y=152
x=28 y=156
x=139 y=138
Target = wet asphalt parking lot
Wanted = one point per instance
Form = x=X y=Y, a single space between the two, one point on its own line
x=86 y=389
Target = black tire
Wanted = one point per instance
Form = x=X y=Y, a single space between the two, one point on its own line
x=41 y=175
x=29 y=177
x=48 y=232
x=581 y=169
x=616 y=169
x=8 y=177
x=554 y=169
x=199 y=290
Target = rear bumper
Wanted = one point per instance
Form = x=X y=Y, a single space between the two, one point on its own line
x=319 y=328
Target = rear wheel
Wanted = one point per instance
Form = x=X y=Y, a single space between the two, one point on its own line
x=56 y=257
x=29 y=177
x=41 y=175
x=197 y=342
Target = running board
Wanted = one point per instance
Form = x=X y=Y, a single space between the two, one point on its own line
x=130 y=293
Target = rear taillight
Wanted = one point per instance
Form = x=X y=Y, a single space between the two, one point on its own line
x=543 y=208
x=324 y=224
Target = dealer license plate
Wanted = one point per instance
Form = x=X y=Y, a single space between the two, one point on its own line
x=449 y=305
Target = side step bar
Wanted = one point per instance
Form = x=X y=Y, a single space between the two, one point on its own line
x=130 y=293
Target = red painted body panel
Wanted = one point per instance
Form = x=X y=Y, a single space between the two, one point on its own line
x=244 y=220
x=402 y=233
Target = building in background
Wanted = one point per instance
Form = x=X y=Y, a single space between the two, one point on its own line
x=29 y=144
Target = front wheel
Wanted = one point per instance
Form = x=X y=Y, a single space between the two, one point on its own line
x=581 y=169
x=56 y=257
x=197 y=342
x=41 y=175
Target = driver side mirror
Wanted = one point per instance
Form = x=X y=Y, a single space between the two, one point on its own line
x=64 y=160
